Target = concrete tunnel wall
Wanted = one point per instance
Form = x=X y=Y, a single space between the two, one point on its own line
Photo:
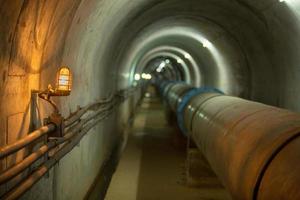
x=104 y=43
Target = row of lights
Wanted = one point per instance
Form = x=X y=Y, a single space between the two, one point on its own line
x=206 y=43
x=138 y=77
x=163 y=65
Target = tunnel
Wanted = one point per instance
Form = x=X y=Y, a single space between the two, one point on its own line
x=89 y=87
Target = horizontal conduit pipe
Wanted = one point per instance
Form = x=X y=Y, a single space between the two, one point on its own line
x=81 y=111
x=31 y=137
x=73 y=135
x=24 y=164
x=33 y=157
x=16 y=192
x=253 y=148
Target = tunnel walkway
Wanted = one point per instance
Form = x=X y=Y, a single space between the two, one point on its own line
x=152 y=165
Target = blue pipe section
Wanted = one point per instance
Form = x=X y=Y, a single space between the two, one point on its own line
x=186 y=99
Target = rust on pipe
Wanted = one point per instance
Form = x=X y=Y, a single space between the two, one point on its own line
x=24 y=164
x=33 y=157
x=31 y=137
x=253 y=148
x=27 y=184
x=81 y=111
x=16 y=192
x=282 y=175
x=71 y=139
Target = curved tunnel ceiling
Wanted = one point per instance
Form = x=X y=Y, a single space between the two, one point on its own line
x=189 y=66
x=243 y=47
x=194 y=49
x=216 y=35
x=247 y=48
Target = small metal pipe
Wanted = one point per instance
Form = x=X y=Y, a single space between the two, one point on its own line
x=25 y=185
x=31 y=137
x=24 y=164
x=79 y=113
x=16 y=192
x=84 y=111
x=72 y=137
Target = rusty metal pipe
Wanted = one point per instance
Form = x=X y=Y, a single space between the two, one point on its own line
x=253 y=148
x=71 y=138
x=241 y=138
x=31 y=137
x=25 y=185
x=81 y=111
x=110 y=101
x=24 y=164
x=73 y=135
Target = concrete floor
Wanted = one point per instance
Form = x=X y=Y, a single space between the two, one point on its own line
x=152 y=165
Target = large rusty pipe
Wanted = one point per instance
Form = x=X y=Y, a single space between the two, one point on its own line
x=240 y=140
x=253 y=148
